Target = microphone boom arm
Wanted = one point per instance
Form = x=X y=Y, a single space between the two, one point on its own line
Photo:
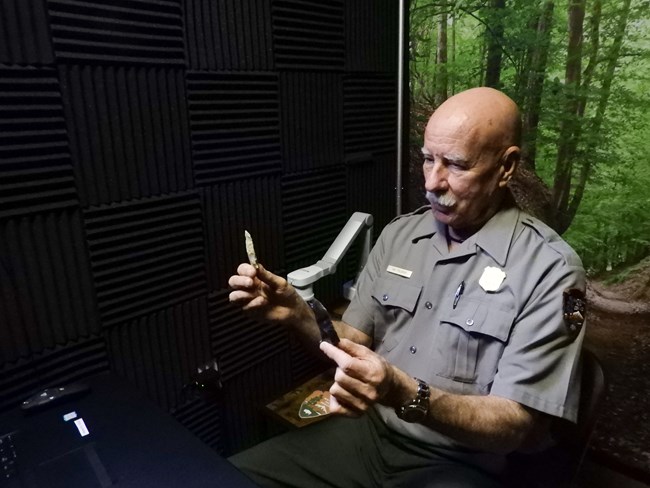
x=303 y=279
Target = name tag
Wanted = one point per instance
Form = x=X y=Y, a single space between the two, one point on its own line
x=399 y=271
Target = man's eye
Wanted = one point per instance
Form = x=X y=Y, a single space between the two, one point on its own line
x=456 y=165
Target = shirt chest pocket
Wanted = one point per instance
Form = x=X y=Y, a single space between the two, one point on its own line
x=397 y=300
x=470 y=340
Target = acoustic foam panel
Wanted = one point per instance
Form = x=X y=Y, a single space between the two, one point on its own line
x=240 y=343
x=162 y=351
x=314 y=212
x=235 y=125
x=377 y=173
x=229 y=35
x=229 y=209
x=144 y=32
x=371 y=29
x=17 y=382
x=35 y=168
x=121 y=67
x=369 y=113
x=60 y=365
x=308 y=35
x=65 y=364
x=24 y=36
x=46 y=294
x=204 y=419
x=304 y=365
x=244 y=419
x=128 y=131
x=146 y=255
x=312 y=120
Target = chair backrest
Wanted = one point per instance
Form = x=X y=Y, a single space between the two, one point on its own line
x=557 y=466
x=592 y=393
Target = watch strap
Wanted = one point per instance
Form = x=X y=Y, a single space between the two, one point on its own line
x=416 y=409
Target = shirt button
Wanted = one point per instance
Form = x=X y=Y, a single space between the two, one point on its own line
x=384 y=298
x=413 y=349
x=469 y=322
x=428 y=305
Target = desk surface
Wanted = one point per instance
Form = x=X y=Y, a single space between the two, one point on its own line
x=286 y=408
x=131 y=443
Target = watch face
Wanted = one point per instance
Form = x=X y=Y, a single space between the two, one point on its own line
x=417 y=409
x=412 y=413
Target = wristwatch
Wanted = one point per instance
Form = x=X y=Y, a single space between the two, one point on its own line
x=416 y=410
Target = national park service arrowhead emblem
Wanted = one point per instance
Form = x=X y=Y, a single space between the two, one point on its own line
x=574 y=309
x=315 y=405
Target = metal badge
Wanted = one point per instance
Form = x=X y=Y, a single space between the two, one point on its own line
x=250 y=249
x=491 y=278
x=574 y=309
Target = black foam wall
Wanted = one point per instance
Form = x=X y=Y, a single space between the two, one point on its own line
x=138 y=139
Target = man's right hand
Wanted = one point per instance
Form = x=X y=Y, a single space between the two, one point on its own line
x=267 y=296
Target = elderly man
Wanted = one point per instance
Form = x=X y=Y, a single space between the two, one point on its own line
x=463 y=340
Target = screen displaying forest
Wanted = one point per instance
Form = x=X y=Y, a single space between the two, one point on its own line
x=580 y=72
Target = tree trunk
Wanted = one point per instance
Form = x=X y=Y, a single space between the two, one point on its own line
x=595 y=126
x=452 y=78
x=592 y=54
x=525 y=66
x=441 y=60
x=494 y=43
x=535 y=84
x=568 y=143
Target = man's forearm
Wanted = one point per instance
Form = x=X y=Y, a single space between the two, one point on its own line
x=487 y=422
x=305 y=328
x=484 y=422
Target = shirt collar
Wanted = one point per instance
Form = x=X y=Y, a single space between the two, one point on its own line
x=494 y=237
x=426 y=226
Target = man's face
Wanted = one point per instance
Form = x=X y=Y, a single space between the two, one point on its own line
x=461 y=175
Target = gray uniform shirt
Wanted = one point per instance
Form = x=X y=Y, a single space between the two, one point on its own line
x=510 y=340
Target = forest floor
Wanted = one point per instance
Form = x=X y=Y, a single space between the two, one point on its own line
x=618 y=331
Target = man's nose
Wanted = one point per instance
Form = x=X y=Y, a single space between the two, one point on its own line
x=435 y=177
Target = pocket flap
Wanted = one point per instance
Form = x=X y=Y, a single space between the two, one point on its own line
x=397 y=293
x=481 y=318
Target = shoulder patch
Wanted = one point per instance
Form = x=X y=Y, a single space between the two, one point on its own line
x=574 y=310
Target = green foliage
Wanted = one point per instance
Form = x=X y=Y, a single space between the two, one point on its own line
x=612 y=224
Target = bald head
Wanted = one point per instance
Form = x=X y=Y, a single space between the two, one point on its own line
x=485 y=115
x=471 y=150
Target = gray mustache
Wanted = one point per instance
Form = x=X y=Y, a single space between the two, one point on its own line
x=446 y=200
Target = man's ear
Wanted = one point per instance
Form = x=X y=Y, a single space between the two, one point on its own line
x=509 y=162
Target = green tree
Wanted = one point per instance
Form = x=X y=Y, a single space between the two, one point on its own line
x=579 y=69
